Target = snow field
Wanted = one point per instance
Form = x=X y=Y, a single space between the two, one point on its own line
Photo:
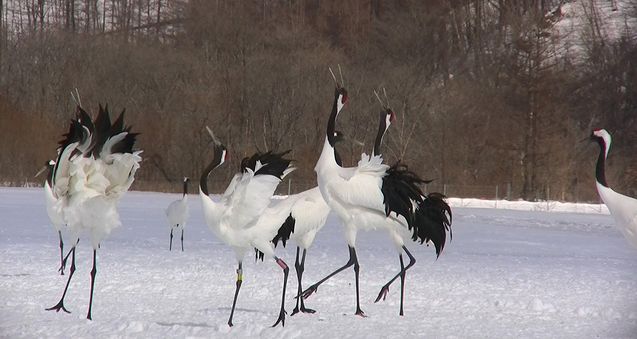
x=505 y=274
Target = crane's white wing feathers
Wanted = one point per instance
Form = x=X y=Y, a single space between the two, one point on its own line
x=363 y=188
x=251 y=197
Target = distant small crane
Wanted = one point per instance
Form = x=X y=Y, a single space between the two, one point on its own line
x=177 y=214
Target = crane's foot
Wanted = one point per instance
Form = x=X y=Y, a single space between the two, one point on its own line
x=62 y=267
x=382 y=294
x=303 y=309
x=308 y=292
x=281 y=319
x=360 y=313
x=58 y=307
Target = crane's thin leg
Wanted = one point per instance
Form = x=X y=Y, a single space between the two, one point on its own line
x=300 y=267
x=61 y=253
x=353 y=260
x=171 y=240
x=60 y=305
x=286 y=270
x=403 y=270
x=236 y=292
x=66 y=257
x=356 y=270
x=182 y=239
x=297 y=267
x=93 y=272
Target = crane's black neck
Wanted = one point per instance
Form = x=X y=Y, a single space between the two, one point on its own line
x=600 y=170
x=216 y=161
x=331 y=123
x=185 y=188
x=382 y=128
x=49 y=174
x=337 y=158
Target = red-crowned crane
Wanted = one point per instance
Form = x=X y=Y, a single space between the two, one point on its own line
x=95 y=166
x=177 y=215
x=433 y=215
x=622 y=208
x=242 y=219
x=371 y=196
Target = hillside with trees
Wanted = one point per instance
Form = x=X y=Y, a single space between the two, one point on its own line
x=487 y=93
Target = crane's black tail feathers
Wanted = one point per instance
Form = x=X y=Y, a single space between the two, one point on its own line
x=401 y=192
x=102 y=126
x=432 y=221
x=283 y=235
x=101 y=129
x=285 y=231
x=258 y=255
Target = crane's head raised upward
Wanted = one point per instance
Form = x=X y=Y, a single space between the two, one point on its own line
x=221 y=152
x=388 y=115
x=602 y=137
x=340 y=93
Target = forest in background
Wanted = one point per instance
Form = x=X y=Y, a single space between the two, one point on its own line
x=484 y=92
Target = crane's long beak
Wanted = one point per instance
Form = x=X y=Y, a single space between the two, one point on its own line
x=357 y=142
x=40 y=171
x=212 y=135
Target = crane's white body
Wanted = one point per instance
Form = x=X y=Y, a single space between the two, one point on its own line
x=624 y=211
x=355 y=195
x=178 y=213
x=95 y=187
x=310 y=212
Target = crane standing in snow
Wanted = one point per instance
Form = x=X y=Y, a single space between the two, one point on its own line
x=372 y=196
x=622 y=208
x=95 y=167
x=431 y=211
x=177 y=214
x=242 y=218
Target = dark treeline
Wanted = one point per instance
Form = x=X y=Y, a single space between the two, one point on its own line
x=484 y=92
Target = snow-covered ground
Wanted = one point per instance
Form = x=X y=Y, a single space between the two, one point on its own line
x=506 y=274
x=616 y=19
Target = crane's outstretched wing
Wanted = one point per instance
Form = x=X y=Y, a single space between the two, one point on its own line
x=261 y=174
